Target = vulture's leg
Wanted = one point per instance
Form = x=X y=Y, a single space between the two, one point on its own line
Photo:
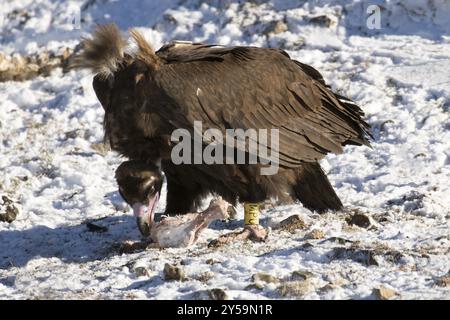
x=314 y=190
x=252 y=229
x=181 y=199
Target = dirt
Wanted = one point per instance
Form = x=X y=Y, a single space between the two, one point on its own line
x=19 y=68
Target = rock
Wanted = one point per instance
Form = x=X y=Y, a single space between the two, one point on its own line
x=291 y=224
x=411 y=201
x=205 y=276
x=6 y=201
x=101 y=148
x=172 y=272
x=385 y=123
x=443 y=281
x=211 y=294
x=72 y=134
x=315 y=234
x=289 y=44
x=306 y=246
x=276 y=27
x=323 y=21
x=92 y=227
x=141 y=272
x=326 y=288
x=129 y=246
x=420 y=154
x=338 y=240
x=212 y=261
x=18 y=68
x=300 y=275
x=264 y=277
x=217 y=294
x=383 y=293
x=294 y=288
x=198 y=295
x=360 y=220
x=10 y=210
x=232 y=213
x=185 y=262
x=256 y=286
x=363 y=256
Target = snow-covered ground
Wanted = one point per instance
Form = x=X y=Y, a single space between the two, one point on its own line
x=54 y=168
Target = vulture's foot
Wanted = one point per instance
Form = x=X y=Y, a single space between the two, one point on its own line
x=255 y=233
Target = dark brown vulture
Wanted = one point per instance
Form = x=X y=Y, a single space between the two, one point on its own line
x=147 y=95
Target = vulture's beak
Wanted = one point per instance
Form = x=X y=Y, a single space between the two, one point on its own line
x=145 y=214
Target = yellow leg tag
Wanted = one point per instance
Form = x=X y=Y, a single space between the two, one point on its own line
x=251 y=213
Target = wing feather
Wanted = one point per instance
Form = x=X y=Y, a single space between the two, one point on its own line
x=244 y=87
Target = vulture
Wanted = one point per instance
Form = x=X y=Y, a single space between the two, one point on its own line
x=147 y=95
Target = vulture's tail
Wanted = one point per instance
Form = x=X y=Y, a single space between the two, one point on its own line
x=314 y=190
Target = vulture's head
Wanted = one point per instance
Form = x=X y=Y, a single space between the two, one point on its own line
x=140 y=185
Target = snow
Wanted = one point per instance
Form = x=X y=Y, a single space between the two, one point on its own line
x=54 y=168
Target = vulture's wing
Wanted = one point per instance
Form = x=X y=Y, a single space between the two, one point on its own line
x=246 y=87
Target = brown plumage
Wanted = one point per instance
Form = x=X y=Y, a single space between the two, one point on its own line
x=150 y=94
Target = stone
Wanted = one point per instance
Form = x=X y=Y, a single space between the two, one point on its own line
x=276 y=27
x=129 y=246
x=443 y=281
x=300 y=275
x=212 y=261
x=322 y=20
x=315 y=234
x=264 y=277
x=291 y=224
x=11 y=211
x=172 y=272
x=364 y=256
x=360 y=220
x=205 y=276
x=92 y=227
x=217 y=294
x=383 y=293
x=141 y=272
x=255 y=286
x=294 y=288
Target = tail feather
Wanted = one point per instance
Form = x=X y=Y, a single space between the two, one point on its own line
x=314 y=190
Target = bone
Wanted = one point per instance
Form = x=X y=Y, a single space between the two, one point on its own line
x=184 y=230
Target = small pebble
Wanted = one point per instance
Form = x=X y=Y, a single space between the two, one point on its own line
x=217 y=294
x=172 y=272
x=383 y=293
x=315 y=234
